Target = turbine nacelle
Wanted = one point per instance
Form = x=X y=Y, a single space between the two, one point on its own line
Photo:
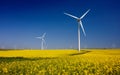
x=78 y=20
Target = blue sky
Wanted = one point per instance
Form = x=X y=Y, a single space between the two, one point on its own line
x=23 y=20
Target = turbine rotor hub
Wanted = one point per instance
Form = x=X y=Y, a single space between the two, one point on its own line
x=78 y=20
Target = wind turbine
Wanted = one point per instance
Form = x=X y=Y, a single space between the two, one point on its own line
x=42 y=40
x=79 y=25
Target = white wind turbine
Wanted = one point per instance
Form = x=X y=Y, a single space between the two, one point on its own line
x=79 y=25
x=43 y=43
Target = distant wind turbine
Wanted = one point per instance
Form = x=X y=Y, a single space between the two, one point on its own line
x=43 y=43
x=79 y=25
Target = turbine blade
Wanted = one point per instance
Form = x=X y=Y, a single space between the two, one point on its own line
x=82 y=28
x=39 y=37
x=71 y=16
x=84 y=14
x=43 y=35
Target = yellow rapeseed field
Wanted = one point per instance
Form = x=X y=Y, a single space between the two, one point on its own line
x=36 y=53
x=60 y=62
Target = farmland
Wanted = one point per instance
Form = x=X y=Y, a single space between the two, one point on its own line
x=60 y=62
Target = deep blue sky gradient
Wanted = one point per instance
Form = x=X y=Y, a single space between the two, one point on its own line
x=23 y=20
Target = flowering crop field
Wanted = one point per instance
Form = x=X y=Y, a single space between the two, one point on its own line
x=60 y=62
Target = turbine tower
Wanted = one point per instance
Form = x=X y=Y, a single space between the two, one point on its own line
x=79 y=25
x=43 y=43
